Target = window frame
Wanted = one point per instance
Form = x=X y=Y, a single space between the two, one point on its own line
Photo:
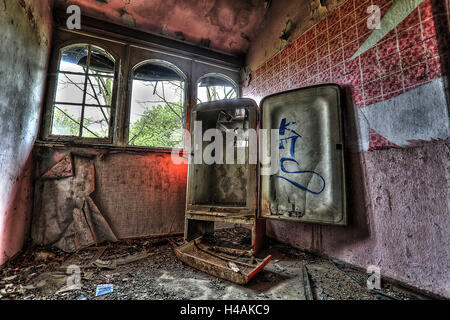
x=52 y=91
x=182 y=75
x=129 y=47
x=217 y=75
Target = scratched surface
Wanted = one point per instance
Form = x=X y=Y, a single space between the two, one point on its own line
x=308 y=184
x=221 y=184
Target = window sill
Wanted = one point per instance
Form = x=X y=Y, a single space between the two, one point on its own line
x=133 y=149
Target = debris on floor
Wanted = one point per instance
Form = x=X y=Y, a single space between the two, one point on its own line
x=200 y=256
x=331 y=283
x=103 y=289
x=148 y=269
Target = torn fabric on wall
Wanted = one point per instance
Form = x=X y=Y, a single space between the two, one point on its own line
x=66 y=216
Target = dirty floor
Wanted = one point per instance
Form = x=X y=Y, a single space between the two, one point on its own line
x=147 y=269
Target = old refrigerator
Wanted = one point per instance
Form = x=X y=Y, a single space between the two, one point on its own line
x=307 y=185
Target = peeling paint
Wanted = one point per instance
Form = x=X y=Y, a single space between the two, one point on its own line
x=221 y=21
x=26 y=30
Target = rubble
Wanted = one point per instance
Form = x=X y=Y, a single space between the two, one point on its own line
x=153 y=272
x=103 y=289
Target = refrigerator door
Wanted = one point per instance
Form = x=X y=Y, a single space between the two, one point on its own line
x=305 y=180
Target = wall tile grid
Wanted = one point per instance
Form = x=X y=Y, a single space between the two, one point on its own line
x=406 y=58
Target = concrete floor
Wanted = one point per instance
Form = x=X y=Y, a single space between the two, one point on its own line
x=40 y=274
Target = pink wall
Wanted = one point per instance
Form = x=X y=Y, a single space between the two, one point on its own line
x=397 y=138
x=26 y=33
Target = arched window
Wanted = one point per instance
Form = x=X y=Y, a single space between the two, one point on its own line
x=213 y=87
x=83 y=99
x=157 y=114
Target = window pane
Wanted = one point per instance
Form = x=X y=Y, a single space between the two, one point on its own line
x=157 y=108
x=70 y=88
x=213 y=88
x=96 y=122
x=99 y=90
x=101 y=61
x=71 y=57
x=66 y=120
x=76 y=93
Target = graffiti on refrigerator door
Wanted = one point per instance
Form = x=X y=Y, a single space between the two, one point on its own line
x=288 y=139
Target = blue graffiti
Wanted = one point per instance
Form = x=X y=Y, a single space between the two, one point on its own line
x=284 y=129
x=284 y=126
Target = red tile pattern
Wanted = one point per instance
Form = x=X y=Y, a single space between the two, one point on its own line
x=377 y=141
x=406 y=58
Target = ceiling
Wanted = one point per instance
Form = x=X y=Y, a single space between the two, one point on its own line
x=229 y=25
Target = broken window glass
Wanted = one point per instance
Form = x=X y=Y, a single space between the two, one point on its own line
x=157 y=114
x=215 y=87
x=84 y=92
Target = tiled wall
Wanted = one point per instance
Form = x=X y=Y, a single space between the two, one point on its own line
x=404 y=59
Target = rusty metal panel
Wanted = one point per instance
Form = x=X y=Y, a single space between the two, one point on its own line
x=198 y=256
x=222 y=192
x=309 y=183
x=210 y=185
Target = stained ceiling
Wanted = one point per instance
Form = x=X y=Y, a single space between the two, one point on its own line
x=223 y=25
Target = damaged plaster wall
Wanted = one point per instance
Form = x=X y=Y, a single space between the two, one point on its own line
x=398 y=151
x=138 y=194
x=25 y=42
x=302 y=13
x=223 y=25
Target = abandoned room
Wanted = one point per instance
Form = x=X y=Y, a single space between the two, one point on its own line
x=224 y=150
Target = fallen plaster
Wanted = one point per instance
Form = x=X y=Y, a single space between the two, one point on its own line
x=66 y=216
x=160 y=275
x=420 y=114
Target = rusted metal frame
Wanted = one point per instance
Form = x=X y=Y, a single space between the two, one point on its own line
x=80 y=133
x=220 y=211
x=248 y=221
x=258 y=234
x=80 y=104
x=260 y=267
x=221 y=214
x=123 y=102
x=233 y=251
x=98 y=148
x=218 y=267
x=204 y=249
x=82 y=74
x=211 y=268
